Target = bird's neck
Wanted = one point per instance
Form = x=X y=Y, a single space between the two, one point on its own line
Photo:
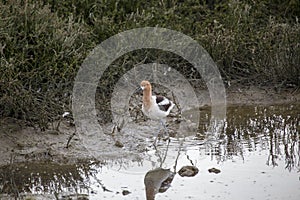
x=147 y=95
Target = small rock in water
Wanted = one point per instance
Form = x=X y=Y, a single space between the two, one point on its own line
x=125 y=192
x=214 y=170
x=119 y=144
x=188 y=171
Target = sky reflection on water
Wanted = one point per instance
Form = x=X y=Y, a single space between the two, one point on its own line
x=258 y=155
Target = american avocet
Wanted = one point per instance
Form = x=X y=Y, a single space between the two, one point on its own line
x=155 y=107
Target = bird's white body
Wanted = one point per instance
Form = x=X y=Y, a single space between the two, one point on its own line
x=153 y=110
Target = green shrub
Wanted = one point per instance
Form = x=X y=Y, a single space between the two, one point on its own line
x=40 y=55
x=43 y=43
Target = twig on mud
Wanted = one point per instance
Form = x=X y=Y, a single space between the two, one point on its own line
x=114 y=130
x=70 y=138
x=175 y=102
x=57 y=125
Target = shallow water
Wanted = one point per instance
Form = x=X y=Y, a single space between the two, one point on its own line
x=257 y=154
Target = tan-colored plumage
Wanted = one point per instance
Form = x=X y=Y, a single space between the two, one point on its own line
x=147 y=94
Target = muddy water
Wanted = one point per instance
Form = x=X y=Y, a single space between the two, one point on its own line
x=255 y=157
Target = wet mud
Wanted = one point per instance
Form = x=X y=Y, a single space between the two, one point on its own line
x=258 y=146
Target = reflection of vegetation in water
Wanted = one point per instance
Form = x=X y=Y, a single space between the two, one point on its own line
x=271 y=129
x=252 y=128
x=45 y=178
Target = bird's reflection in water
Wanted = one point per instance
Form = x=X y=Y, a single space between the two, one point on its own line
x=157 y=180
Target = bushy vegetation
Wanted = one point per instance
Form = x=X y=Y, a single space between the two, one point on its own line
x=40 y=54
x=43 y=43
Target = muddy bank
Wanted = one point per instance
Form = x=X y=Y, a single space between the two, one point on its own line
x=255 y=96
x=19 y=143
x=262 y=96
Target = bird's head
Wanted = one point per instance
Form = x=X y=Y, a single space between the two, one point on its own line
x=145 y=85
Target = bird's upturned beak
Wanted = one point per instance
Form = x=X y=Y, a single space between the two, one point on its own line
x=138 y=90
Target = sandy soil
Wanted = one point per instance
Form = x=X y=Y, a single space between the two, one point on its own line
x=19 y=143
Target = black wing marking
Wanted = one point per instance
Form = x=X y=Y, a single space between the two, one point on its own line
x=163 y=103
